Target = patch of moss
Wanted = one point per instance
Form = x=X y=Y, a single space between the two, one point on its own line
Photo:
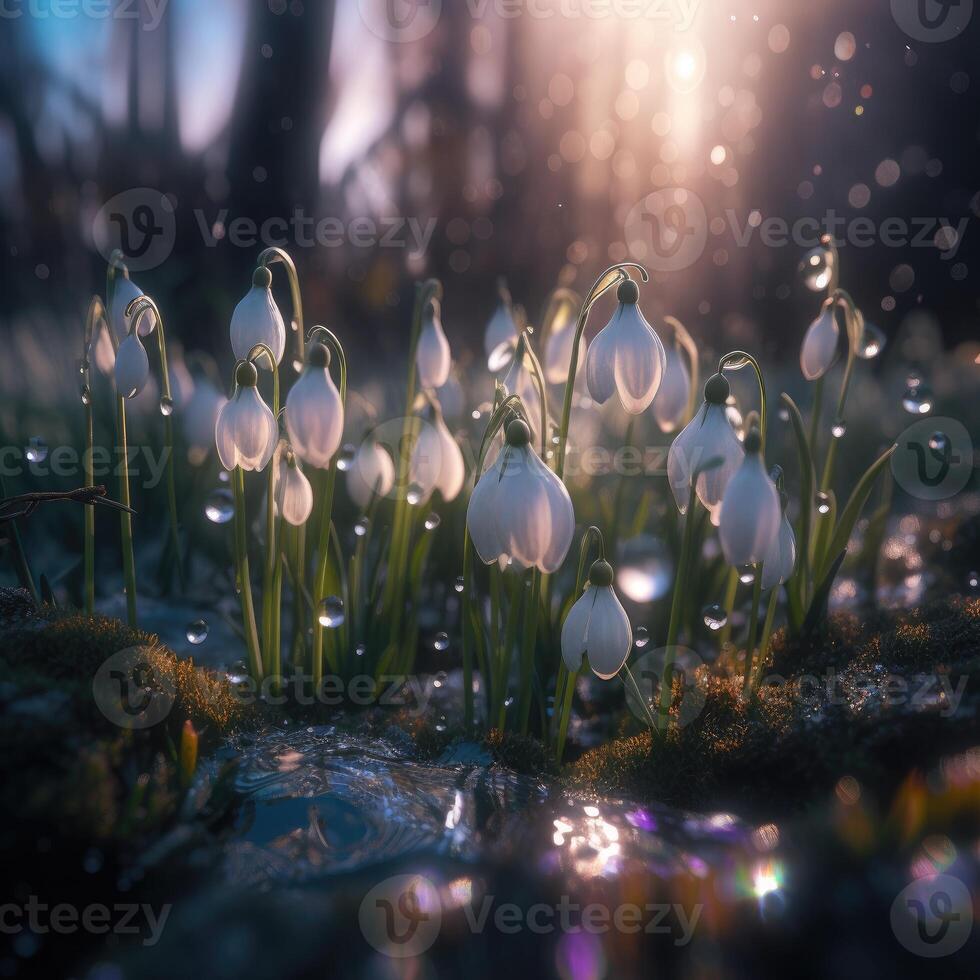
x=824 y=713
x=522 y=753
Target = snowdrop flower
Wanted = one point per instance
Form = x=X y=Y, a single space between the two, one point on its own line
x=750 y=510
x=257 y=319
x=246 y=431
x=626 y=356
x=314 y=411
x=132 y=366
x=820 y=344
x=501 y=329
x=433 y=358
x=780 y=560
x=124 y=291
x=520 y=509
x=199 y=417
x=450 y=397
x=708 y=435
x=293 y=493
x=558 y=353
x=671 y=400
x=597 y=626
x=436 y=462
x=371 y=472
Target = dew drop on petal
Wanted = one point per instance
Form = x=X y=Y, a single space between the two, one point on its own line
x=166 y=406
x=37 y=450
x=346 y=457
x=838 y=429
x=197 y=632
x=715 y=617
x=432 y=522
x=641 y=637
x=823 y=503
x=331 y=613
x=219 y=508
x=441 y=642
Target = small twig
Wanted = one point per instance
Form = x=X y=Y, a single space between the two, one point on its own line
x=23 y=505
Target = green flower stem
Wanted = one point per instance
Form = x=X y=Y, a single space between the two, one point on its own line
x=270 y=256
x=618 y=515
x=753 y=627
x=738 y=359
x=326 y=513
x=611 y=277
x=244 y=579
x=816 y=412
x=136 y=309
x=96 y=315
x=528 y=643
x=731 y=590
x=514 y=607
x=467 y=633
x=767 y=629
x=524 y=350
x=393 y=598
x=853 y=325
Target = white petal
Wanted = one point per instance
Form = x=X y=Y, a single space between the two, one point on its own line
x=433 y=357
x=452 y=469
x=254 y=430
x=425 y=463
x=522 y=509
x=480 y=520
x=558 y=353
x=671 y=401
x=573 y=630
x=819 y=346
x=257 y=320
x=679 y=456
x=719 y=440
x=315 y=417
x=224 y=434
x=561 y=517
x=372 y=471
x=500 y=330
x=600 y=365
x=609 y=637
x=294 y=495
x=124 y=291
x=132 y=367
x=640 y=360
x=750 y=514
x=780 y=560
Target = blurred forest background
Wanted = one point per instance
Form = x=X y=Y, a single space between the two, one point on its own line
x=526 y=139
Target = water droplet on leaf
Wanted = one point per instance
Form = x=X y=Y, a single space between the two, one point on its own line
x=197 y=632
x=331 y=612
x=219 y=508
x=715 y=617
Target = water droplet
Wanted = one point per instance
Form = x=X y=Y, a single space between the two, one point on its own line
x=913 y=379
x=939 y=442
x=746 y=574
x=475 y=415
x=838 y=429
x=815 y=269
x=641 y=637
x=432 y=522
x=460 y=584
x=783 y=415
x=331 y=612
x=166 y=406
x=238 y=674
x=973 y=580
x=346 y=457
x=441 y=724
x=917 y=400
x=224 y=476
x=360 y=650
x=823 y=503
x=86 y=395
x=508 y=702
x=83 y=365
x=361 y=527
x=37 y=450
x=441 y=642
x=872 y=342
x=197 y=632
x=297 y=366
x=715 y=617
x=414 y=494
x=219 y=508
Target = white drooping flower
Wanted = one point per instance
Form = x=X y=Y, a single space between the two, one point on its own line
x=199 y=417
x=780 y=561
x=246 y=432
x=519 y=508
x=436 y=462
x=707 y=436
x=820 y=345
x=671 y=400
x=501 y=329
x=293 y=493
x=124 y=291
x=257 y=319
x=132 y=367
x=371 y=472
x=451 y=398
x=750 y=511
x=626 y=356
x=597 y=626
x=558 y=351
x=433 y=357
x=315 y=412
